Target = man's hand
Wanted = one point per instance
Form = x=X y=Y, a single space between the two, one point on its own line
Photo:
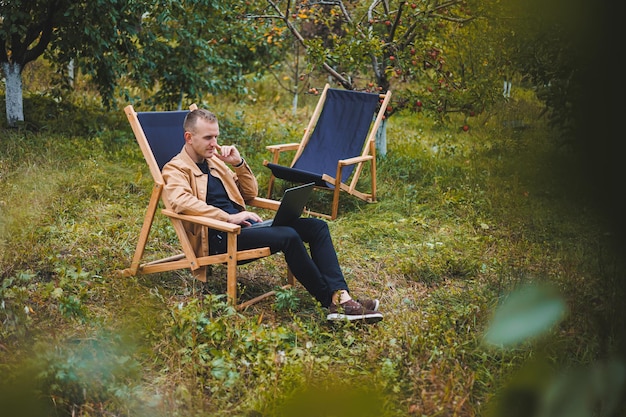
x=228 y=154
x=242 y=218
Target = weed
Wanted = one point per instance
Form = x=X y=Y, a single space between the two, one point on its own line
x=286 y=299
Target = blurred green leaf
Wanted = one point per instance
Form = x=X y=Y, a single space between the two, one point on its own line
x=525 y=314
x=595 y=390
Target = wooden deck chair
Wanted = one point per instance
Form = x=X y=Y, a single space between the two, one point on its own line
x=337 y=143
x=160 y=136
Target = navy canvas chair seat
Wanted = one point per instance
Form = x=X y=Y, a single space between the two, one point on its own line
x=338 y=142
x=160 y=136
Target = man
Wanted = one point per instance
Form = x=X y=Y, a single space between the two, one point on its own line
x=199 y=182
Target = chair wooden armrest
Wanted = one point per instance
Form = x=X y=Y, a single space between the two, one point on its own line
x=204 y=221
x=276 y=150
x=264 y=203
x=283 y=147
x=355 y=160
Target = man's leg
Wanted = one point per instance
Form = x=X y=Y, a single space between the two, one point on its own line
x=319 y=273
x=315 y=232
x=286 y=239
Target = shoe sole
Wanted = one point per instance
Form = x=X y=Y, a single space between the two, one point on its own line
x=367 y=318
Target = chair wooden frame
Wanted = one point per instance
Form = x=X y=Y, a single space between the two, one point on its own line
x=188 y=259
x=368 y=156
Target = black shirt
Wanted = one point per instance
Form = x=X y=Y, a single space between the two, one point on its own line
x=216 y=193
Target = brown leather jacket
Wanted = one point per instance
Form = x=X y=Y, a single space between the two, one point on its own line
x=185 y=193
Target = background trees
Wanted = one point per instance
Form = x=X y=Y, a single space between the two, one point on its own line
x=438 y=57
x=179 y=49
x=96 y=35
x=172 y=49
x=190 y=49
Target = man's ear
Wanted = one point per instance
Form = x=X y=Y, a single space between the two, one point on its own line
x=187 y=136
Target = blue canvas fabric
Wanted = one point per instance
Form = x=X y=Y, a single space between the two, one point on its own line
x=165 y=133
x=340 y=133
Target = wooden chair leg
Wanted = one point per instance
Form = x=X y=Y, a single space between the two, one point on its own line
x=231 y=274
x=145 y=229
x=270 y=186
x=373 y=170
x=291 y=279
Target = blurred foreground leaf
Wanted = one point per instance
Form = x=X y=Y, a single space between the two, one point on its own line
x=525 y=314
x=594 y=390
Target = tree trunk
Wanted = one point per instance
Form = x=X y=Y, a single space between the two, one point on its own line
x=294 y=102
x=13 y=93
x=70 y=72
x=381 y=139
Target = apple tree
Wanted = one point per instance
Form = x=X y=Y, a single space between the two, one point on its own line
x=423 y=50
x=437 y=57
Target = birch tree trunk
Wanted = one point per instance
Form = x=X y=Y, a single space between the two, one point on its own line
x=381 y=139
x=13 y=93
x=294 y=102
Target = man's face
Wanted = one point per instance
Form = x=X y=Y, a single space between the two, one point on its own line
x=202 y=141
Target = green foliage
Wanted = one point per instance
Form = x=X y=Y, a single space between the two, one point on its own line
x=200 y=56
x=525 y=314
x=45 y=114
x=99 y=43
x=174 y=49
x=14 y=296
x=287 y=299
x=98 y=368
x=552 y=46
x=425 y=52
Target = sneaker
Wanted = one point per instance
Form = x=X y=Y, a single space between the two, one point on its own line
x=351 y=311
x=370 y=304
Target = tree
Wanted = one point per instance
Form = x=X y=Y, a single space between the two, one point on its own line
x=174 y=48
x=96 y=34
x=385 y=44
x=547 y=44
x=195 y=48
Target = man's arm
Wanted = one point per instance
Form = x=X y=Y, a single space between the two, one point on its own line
x=245 y=180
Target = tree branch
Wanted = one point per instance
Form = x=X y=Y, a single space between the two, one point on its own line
x=44 y=33
x=284 y=17
x=3 y=52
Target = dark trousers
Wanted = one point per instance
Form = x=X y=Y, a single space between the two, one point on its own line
x=319 y=271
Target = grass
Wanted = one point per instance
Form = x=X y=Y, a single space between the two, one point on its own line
x=463 y=220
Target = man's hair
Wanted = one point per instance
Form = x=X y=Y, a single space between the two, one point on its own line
x=193 y=116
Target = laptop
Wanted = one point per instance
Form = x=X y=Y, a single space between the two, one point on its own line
x=291 y=206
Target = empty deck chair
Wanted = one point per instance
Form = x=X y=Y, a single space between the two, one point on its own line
x=338 y=143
